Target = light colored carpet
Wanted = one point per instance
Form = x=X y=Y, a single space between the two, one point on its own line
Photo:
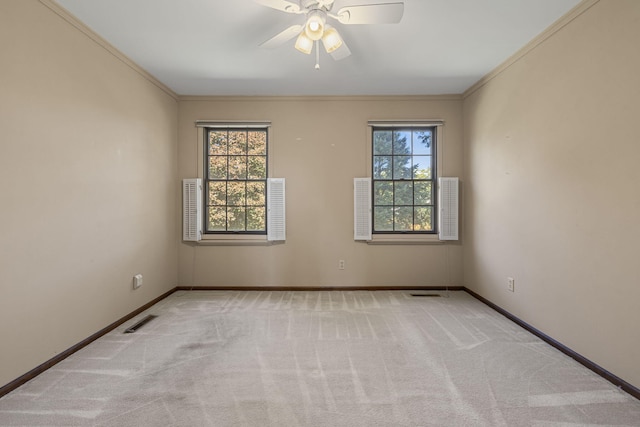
x=383 y=358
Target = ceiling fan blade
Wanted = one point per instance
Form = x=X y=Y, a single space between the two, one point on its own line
x=341 y=52
x=282 y=37
x=382 y=13
x=283 y=5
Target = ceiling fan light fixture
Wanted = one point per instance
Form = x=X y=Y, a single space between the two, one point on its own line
x=314 y=28
x=331 y=39
x=304 y=44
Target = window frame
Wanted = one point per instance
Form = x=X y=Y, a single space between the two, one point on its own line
x=207 y=180
x=433 y=180
x=228 y=238
x=409 y=237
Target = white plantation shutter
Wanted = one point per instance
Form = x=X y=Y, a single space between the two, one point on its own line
x=276 y=230
x=448 y=203
x=362 y=208
x=192 y=209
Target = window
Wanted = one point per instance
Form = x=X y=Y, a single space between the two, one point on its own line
x=235 y=190
x=404 y=179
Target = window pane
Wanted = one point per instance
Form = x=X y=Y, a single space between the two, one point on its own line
x=383 y=218
x=256 y=220
x=403 y=173
x=237 y=167
x=422 y=193
x=218 y=193
x=257 y=167
x=422 y=142
x=382 y=167
x=382 y=142
x=257 y=143
x=217 y=219
x=236 y=174
x=402 y=167
x=236 y=219
x=218 y=142
x=218 y=167
x=424 y=219
x=422 y=167
x=236 y=194
x=401 y=142
x=237 y=142
x=403 y=193
x=255 y=194
x=404 y=219
x=383 y=193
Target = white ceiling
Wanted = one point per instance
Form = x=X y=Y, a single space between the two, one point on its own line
x=211 y=47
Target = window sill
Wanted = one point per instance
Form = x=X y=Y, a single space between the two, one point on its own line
x=399 y=239
x=230 y=240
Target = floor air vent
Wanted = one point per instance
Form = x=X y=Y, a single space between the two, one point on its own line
x=140 y=324
x=425 y=295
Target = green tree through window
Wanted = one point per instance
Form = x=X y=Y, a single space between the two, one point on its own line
x=404 y=180
x=236 y=178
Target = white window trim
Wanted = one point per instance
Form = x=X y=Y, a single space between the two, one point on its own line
x=408 y=239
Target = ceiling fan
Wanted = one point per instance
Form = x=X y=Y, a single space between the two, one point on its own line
x=315 y=27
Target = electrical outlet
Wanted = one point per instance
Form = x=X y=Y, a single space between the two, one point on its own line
x=137 y=281
x=510 y=284
x=341 y=264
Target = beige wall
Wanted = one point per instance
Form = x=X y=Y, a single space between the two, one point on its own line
x=319 y=145
x=553 y=187
x=88 y=177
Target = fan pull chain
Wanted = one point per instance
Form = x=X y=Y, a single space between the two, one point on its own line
x=317 y=54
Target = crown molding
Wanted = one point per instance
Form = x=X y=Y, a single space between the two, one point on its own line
x=574 y=13
x=72 y=20
x=328 y=98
